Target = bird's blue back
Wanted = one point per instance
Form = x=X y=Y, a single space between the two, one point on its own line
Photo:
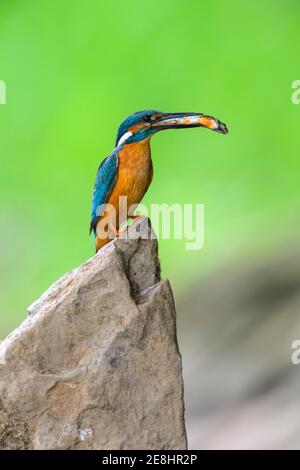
x=105 y=180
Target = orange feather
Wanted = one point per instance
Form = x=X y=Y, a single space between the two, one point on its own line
x=133 y=179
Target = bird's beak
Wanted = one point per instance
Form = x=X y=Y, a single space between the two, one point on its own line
x=183 y=120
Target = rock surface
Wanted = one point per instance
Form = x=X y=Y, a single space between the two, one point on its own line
x=96 y=364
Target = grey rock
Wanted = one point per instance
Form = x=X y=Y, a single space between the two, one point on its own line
x=96 y=364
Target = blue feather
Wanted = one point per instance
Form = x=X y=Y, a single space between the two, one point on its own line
x=105 y=180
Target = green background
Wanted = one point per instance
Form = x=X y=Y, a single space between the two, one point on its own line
x=75 y=69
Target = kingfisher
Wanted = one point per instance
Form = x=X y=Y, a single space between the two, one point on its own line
x=128 y=170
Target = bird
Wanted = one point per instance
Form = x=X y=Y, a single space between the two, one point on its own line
x=128 y=170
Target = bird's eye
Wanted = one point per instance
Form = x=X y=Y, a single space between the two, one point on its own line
x=147 y=118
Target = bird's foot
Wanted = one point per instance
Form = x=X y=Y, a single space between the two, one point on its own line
x=114 y=230
x=117 y=233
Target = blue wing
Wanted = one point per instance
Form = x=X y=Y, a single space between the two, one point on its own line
x=105 y=180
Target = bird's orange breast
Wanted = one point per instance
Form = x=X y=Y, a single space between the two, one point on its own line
x=134 y=173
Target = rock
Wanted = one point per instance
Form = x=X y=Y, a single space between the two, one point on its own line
x=96 y=364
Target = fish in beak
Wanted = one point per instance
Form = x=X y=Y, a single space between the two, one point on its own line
x=184 y=120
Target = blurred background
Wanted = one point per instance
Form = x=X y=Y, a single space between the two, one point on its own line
x=73 y=70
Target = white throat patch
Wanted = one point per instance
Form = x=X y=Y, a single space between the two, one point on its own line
x=124 y=138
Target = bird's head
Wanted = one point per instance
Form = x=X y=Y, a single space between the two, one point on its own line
x=144 y=124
